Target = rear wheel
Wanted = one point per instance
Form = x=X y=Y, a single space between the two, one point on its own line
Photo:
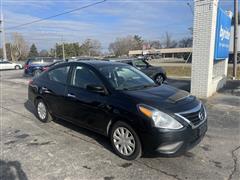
x=17 y=67
x=159 y=79
x=125 y=141
x=42 y=111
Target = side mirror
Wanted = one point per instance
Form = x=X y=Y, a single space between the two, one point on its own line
x=148 y=65
x=97 y=89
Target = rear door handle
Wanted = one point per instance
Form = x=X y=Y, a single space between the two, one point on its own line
x=71 y=95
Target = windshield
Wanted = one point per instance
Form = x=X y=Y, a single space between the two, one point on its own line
x=126 y=77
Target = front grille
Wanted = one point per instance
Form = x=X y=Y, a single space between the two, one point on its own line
x=195 y=116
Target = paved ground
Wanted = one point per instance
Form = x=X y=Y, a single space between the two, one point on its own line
x=58 y=150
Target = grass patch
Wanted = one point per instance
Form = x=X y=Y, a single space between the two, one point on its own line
x=186 y=71
x=230 y=70
x=177 y=71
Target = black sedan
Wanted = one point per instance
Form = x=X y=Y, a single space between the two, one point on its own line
x=157 y=74
x=120 y=102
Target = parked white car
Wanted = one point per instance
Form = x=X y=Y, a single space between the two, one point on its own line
x=9 y=65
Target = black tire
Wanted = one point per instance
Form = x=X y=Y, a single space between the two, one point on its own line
x=159 y=79
x=17 y=67
x=137 y=153
x=48 y=117
x=37 y=73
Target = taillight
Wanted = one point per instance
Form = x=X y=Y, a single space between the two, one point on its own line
x=30 y=82
x=45 y=68
x=26 y=66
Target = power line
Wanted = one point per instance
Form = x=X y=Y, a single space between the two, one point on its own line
x=191 y=8
x=60 y=14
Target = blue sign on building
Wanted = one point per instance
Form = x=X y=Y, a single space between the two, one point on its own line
x=223 y=35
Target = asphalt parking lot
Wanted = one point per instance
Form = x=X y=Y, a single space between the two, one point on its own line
x=59 y=150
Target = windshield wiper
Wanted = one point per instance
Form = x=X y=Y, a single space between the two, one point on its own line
x=150 y=85
x=140 y=87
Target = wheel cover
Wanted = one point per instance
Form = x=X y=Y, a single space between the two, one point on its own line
x=124 y=141
x=159 y=79
x=42 y=111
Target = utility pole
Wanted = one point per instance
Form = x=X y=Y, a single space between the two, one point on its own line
x=3 y=35
x=235 y=48
x=63 y=50
x=55 y=51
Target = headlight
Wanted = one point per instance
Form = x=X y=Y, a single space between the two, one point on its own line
x=160 y=119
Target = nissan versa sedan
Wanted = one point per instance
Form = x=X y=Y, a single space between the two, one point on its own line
x=122 y=103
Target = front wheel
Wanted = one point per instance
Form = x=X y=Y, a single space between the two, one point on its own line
x=42 y=111
x=159 y=79
x=125 y=141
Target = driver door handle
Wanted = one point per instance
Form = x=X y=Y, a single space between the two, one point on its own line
x=71 y=95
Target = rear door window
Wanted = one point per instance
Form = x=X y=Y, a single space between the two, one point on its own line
x=130 y=63
x=59 y=74
x=48 y=60
x=140 y=64
x=34 y=61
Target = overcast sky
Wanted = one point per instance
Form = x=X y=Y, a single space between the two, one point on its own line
x=113 y=18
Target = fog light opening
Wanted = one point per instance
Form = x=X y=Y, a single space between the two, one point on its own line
x=171 y=148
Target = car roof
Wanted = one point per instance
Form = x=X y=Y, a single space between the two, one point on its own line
x=126 y=59
x=96 y=63
x=56 y=63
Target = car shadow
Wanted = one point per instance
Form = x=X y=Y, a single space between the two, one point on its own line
x=100 y=139
x=11 y=170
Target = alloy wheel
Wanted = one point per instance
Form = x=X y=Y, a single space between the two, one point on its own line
x=41 y=110
x=159 y=79
x=124 y=141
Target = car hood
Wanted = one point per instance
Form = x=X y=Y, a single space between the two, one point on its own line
x=165 y=98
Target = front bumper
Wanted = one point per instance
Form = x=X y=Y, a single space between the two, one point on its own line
x=173 y=142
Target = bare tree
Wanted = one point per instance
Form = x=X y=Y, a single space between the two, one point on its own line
x=155 y=44
x=185 y=42
x=138 y=42
x=19 y=47
x=168 y=42
x=90 y=47
x=122 y=46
